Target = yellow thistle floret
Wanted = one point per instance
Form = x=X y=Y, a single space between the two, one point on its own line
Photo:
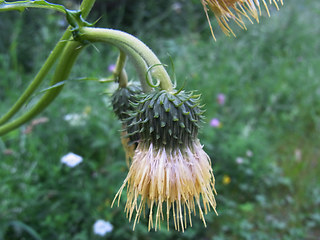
x=128 y=147
x=224 y=10
x=178 y=177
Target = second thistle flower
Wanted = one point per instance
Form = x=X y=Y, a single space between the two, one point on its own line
x=122 y=103
x=226 y=10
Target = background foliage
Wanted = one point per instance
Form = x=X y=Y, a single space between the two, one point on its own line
x=265 y=154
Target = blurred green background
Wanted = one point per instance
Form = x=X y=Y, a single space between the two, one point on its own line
x=265 y=152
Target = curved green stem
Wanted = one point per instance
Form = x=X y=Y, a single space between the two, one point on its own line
x=130 y=44
x=143 y=57
x=67 y=60
x=38 y=78
x=85 y=8
x=141 y=67
x=120 y=72
x=69 y=55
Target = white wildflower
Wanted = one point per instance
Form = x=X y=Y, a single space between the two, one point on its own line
x=71 y=159
x=102 y=227
x=177 y=6
x=239 y=160
x=76 y=119
x=249 y=153
x=298 y=154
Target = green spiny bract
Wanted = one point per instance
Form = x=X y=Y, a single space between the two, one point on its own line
x=167 y=119
x=122 y=100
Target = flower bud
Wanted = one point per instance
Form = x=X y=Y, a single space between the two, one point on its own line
x=122 y=103
x=122 y=100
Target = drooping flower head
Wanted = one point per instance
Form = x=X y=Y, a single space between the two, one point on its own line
x=170 y=173
x=224 y=10
x=122 y=100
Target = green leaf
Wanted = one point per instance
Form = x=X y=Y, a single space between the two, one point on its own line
x=22 y=5
x=24 y=227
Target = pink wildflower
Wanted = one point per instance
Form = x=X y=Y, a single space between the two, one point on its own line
x=221 y=98
x=111 y=68
x=215 y=123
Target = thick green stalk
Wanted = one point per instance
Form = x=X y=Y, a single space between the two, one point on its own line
x=67 y=60
x=85 y=8
x=130 y=45
x=38 y=78
x=68 y=57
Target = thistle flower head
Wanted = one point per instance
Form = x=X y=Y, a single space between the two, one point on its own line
x=122 y=100
x=224 y=10
x=167 y=119
x=170 y=172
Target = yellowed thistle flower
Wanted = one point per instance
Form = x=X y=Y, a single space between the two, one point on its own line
x=178 y=177
x=224 y=10
x=170 y=174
